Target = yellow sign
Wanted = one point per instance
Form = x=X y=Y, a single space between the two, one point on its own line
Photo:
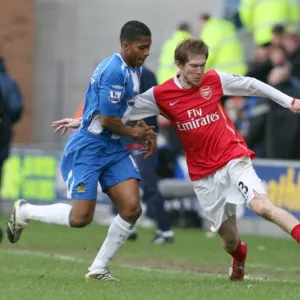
x=31 y=177
x=286 y=191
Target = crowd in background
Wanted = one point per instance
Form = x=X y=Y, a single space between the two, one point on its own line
x=269 y=129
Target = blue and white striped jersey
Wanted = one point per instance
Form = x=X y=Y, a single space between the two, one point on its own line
x=111 y=92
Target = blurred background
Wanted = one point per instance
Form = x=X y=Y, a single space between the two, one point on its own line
x=50 y=48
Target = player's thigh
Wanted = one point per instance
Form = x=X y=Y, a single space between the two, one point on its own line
x=81 y=165
x=81 y=177
x=120 y=182
x=245 y=179
x=210 y=192
x=83 y=192
x=262 y=205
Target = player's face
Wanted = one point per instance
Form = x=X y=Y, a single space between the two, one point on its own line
x=193 y=70
x=137 y=51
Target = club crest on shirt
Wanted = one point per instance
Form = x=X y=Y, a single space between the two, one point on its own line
x=80 y=188
x=205 y=92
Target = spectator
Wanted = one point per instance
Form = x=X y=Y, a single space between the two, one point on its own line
x=292 y=47
x=261 y=66
x=255 y=112
x=266 y=59
x=167 y=67
x=278 y=32
x=266 y=135
x=11 y=109
x=231 y=12
x=259 y=17
x=278 y=57
x=282 y=142
x=225 y=49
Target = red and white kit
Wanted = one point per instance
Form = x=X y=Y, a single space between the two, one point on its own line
x=218 y=158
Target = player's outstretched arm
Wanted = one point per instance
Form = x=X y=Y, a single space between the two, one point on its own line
x=64 y=124
x=235 y=85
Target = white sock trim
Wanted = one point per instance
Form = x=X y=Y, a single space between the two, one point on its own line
x=124 y=225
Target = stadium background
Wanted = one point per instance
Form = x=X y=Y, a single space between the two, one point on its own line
x=52 y=47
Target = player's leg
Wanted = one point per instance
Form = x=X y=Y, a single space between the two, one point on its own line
x=229 y=234
x=263 y=207
x=250 y=186
x=154 y=199
x=120 y=183
x=82 y=188
x=213 y=194
x=233 y=245
x=78 y=215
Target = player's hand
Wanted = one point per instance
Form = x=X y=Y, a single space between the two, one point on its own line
x=64 y=124
x=150 y=147
x=142 y=133
x=296 y=106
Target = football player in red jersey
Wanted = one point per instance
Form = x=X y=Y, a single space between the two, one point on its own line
x=218 y=159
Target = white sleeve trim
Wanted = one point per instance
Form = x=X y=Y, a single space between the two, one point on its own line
x=144 y=106
x=235 y=85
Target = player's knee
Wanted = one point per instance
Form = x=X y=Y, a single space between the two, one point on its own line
x=263 y=207
x=80 y=221
x=131 y=212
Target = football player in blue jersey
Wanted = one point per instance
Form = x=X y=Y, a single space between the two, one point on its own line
x=96 y=153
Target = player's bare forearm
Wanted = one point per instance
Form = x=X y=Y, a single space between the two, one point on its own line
x=115 y=125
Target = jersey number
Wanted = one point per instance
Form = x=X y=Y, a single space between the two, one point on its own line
x=244 y=189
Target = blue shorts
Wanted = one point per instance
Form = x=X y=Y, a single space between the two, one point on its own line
x=89 y=159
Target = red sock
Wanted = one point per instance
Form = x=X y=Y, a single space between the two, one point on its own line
x=295 y=233
x=240 y=252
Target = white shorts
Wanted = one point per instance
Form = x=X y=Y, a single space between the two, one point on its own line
x=220 y=192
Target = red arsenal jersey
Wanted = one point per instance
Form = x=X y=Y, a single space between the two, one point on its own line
x=208 y=136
